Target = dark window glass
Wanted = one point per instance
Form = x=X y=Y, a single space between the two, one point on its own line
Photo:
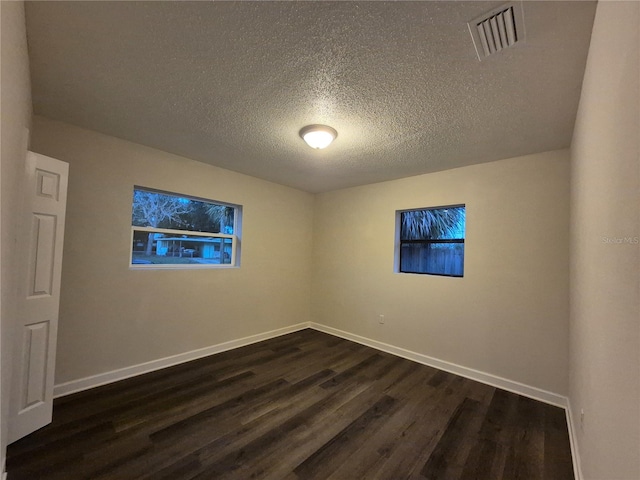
x=172 y=229
x=432 y=241
x=163 y=210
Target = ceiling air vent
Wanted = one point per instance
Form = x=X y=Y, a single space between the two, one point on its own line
x=498 y=29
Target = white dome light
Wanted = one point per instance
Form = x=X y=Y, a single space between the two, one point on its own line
x=318 y=136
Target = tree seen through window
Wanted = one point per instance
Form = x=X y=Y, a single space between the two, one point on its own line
x=432 y=241
x=162 y=218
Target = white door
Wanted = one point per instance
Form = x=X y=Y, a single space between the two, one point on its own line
x=40 y=249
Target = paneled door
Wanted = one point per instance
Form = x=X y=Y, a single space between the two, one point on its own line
x=40 y=249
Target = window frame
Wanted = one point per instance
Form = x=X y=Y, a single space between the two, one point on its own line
x=235 y=237
x=400 y=242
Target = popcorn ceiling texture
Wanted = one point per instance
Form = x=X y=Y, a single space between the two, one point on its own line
x=232 y=83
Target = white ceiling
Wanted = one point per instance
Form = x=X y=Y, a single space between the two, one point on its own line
x=232 y=83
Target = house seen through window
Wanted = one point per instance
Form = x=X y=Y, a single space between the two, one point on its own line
x=431 y=241
x=173 y=230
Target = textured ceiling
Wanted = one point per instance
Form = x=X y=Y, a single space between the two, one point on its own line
x=232 y=83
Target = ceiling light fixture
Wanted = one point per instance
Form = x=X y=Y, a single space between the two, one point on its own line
x=318 y=136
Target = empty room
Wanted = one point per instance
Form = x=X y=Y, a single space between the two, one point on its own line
x=320 y=240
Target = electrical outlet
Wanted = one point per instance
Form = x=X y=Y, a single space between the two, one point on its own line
x=581 y=418
x=381 y=319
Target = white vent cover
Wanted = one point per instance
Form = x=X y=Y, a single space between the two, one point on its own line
x=498 y=29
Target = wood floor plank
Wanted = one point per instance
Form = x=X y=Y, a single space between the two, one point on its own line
x=396 y=448
x=301 y=406
x=337 y=408
x=526 y=450
x=488 y=456
x=557 y=464
x=336 y=452
x=292 y=428
x=448 y=459
x=233 y=433
x=304 y=443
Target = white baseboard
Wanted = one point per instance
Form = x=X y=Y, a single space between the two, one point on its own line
x=551 y=398
x=573 y=441
x=487 y=378
x=93 y=381
x=86 y=383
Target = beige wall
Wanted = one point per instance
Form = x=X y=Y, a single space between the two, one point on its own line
x=605 y=276
x=16 y=118
x=507 y=316
x=512 y=322
x=113 y=317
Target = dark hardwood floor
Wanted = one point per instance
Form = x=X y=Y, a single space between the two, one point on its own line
x=301 y=406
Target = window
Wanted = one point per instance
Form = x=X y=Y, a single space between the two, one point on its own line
x=169 y=230
x=431 y=241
